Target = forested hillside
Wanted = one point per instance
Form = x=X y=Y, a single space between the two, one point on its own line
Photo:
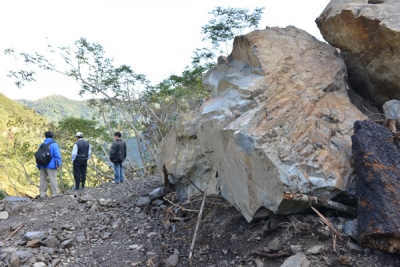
x=56 y=107
x=21 y=131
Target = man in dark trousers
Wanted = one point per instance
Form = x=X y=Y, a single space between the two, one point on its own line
x=50 y=170
x=117 y=156
x=80 y=155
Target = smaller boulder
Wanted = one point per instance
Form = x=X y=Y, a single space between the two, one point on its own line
x=315 y=250
x=275 y=244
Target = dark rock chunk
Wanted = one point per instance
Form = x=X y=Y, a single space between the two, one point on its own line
x=377 y=163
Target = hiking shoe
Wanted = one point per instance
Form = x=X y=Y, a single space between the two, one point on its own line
x=75 y=189
x=114 y=182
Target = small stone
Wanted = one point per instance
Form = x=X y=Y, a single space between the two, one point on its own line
x=296 y=249
x=327 y=260
x=323 y=233
x=134 y=246
x=259 y=263
x=24 y=255
x=34 y=235
x=52 y=242
x=105 y=202
x=151 y=234
x=14 y=261
x=157 y=202
x=315 y=250
x=115 y=225
x=275 y=244
x=39 y=264
x=66 y=244
x=3 y=215
x=298 y=260
x=367 y=251
x=143 y=201
x=34 y=243
x=80 y=238
x=355 y=249
x=344 y=260
x=172 y=261
x=106 y=235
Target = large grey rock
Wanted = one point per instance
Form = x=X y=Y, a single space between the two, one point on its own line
x=279 y=120
x=368 y=35
x=298 y=260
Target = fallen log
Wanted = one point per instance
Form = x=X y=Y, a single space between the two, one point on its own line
x=320 y=202
x=377 y=164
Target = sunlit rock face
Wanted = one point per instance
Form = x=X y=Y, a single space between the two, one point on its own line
x=279 y=120
x=367 y=32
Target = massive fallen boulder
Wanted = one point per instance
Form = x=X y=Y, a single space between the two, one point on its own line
x=368 y=35
x=377 y=163
x=279 y=120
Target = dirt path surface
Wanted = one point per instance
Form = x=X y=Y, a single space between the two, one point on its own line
x=115 y=225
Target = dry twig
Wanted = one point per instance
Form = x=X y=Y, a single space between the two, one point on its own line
x=327 y=222
x=14 y=232
x=182 y=208
x=197 y=226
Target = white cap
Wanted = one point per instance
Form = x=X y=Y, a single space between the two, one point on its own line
x=79 y=134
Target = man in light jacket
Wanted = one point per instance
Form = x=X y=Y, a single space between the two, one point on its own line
x=80 y=155
x=50 y=170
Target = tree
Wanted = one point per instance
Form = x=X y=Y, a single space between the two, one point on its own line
x=228 y=23
x=95 y=73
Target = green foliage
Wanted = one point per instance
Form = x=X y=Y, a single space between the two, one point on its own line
x=56 y=107
x=3 y=194
x=229 y=22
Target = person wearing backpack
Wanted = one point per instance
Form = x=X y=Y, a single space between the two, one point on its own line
x=48 y=159
x=117 y=156
x=80 y=155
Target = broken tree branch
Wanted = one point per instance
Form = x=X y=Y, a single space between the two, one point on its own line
x=320 y=202
x=328 y=223
x=197 y=225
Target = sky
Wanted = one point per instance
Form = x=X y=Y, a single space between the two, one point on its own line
x=155 y=37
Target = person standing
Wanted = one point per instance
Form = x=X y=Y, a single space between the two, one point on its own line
x=117 y=156
x=80 y=155
x=50 y=170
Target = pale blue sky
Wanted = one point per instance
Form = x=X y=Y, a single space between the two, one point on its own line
x=154 y=37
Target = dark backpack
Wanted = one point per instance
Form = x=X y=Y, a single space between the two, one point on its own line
x=43 y=156
x=118 y=155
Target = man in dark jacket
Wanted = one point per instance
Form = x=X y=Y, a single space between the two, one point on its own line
x=80 y=155
x=50 y=170
x=117 y=156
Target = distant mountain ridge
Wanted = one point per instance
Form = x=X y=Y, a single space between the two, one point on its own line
x=57 y=107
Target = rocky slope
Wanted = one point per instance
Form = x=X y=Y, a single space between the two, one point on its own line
x=116 y=225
